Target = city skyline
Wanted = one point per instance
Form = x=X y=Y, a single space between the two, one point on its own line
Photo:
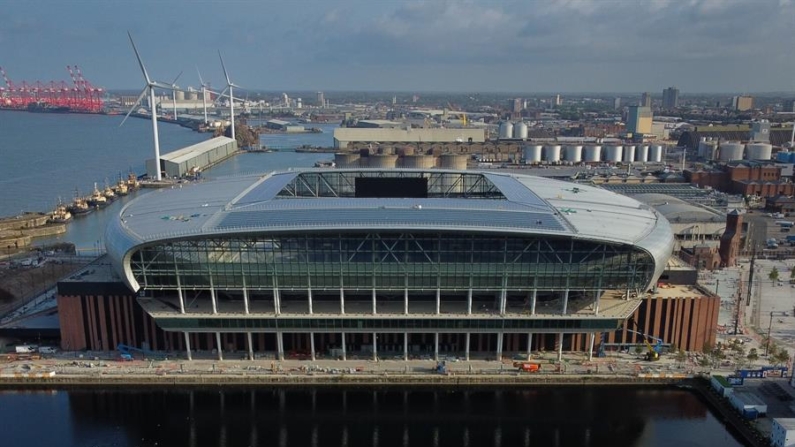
x=570 y=46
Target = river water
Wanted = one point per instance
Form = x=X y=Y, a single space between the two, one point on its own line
x=308 y=417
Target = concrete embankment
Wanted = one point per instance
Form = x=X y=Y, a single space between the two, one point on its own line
x=175 y=379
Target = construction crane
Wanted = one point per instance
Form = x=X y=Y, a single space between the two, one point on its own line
x=652 y=352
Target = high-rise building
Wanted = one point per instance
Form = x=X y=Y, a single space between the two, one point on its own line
x=742 y=103
x=639 y=120
x=645 y=100
x=617 y=103
x=321 y=99
x=515 y=105
x=557 y=100
x=789 y=106
x=670 y=98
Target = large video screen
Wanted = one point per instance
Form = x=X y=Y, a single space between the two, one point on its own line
x=375 y=187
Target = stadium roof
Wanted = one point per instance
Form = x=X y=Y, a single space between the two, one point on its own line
x=190 y=152
x=677 y=210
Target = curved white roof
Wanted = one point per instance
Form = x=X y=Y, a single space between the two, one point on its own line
x=514 y=204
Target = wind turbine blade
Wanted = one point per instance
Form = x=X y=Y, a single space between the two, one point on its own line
x=200 y=76
x=162 y=85
x=174 y=84
x=222 y=94
x=137 y=102
x=228 y=82
x=138 y=56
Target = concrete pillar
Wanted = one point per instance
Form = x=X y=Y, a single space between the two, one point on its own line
x=250 y=345
x=309 y=300
x=312 y=345
x=245 y=295
x=277 y=305
x=375 y=347
x=405 y=346
x=533 y=302
x=560 y=346
x=590 y=349
x=529 y=343
x=469 y=302
x=187 y=346
x=218 y=345
x=344 y=353
x=374 y=305
x=405 y=301
x=565 y=302
x=499 y=346
x=436 y=346
x=466 y=350
x=280 y=346
x=342 y=301
x=438 y=301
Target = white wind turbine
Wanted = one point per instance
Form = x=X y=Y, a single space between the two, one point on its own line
x=229 y=86
x=150 y=87
x=174 y=89
x=204 y=94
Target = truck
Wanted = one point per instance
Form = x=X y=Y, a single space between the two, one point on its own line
x=528 y=366
x=26 y=349
x=785 y=223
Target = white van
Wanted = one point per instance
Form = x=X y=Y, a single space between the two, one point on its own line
x=25 y=349
x=47 y=350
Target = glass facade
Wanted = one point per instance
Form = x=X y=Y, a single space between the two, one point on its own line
x=385 y=324
x=392 y=261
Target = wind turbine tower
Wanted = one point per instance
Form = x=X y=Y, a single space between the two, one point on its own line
x=150 y=87
x=229 y=86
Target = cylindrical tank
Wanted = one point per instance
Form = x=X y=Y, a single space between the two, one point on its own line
x=180 y=95
x=573 y=154
x=708 y=150
x=380 y=161
x=192 y=96
x=520 y=130
x=386 y=150
x=405 y=150
x=346 y=160
x=731 y=150
x=759 y=151
x=453 y=161
x=531 y=153
x=506 y=130
x=782 y=156
x=552 y=153
x=655 y=154
x=613 y=154
x=642 y=154
x=417 y=161
x=592 y=154
x=629 y=154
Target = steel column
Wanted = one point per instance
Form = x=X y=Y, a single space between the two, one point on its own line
x=560 y=347
x=344 y=353
x=342 y=301
x=469 y=301
x=250 y=346
x=212 y=295
x=187 y=346
x=374 y=305
x=405 y=301
x=533 y=302
x=312 y=345
x=565 y=301
x=590 y=350
x=499 y=346
x=280 y=345
x=438 y=301
x=375 y=347
x=405 y=346
x=466 y=349
x=436 y=346
x=245 y=295
x=529 y=343
x=218 y=345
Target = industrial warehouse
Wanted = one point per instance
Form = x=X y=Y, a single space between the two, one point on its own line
x=383 y=262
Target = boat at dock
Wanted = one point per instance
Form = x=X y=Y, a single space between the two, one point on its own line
x=108 y=192
x=121 y=188
x=97 y=199
x=60 y=214
x=79 y=206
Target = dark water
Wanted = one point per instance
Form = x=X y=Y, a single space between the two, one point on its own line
x=598 y=416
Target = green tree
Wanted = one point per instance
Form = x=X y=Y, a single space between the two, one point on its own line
x=773 y=274
x=753 y=355
x=638 y=349
x=780 y=357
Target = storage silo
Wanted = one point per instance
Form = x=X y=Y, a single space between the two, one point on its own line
x=192 y=95
x=180 y=95
x=520 y=130
x=759 y=151
x=346 y=160
x=506 y=130
x=453 y=161
x=731 y=150
x=782 y=156
x=380 y=161
x=417 y=161
x=629 y=154
x=655 y=154
x=405 y=150
x=613 y=154
x=552 y=153
x=708 y=150
x=531 y=154
x=593 y=154
x=642 y=154
x=573 y=154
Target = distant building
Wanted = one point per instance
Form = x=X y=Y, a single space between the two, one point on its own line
x=730 y=240
x=515 y=105
x=670 y=99
x=789 y=106
x=760 y=131
x=557 y=100
x=617 y=103
x=742 y=103
x=321 y=99
x=344 y=136
x=639 y=120
x=645 y=100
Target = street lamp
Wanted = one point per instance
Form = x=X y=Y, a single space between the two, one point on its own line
x=770 y=326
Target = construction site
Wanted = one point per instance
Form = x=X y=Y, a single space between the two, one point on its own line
x=54 y=96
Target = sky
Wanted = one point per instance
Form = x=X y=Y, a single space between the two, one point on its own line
x=699 y=46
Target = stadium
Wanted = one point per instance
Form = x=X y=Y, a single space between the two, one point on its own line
x=399 y=263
